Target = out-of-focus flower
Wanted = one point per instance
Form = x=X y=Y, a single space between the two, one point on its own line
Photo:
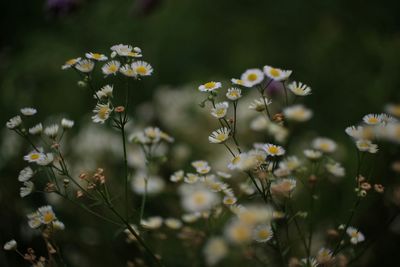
x=260 y=104
x=25 y=174
x=299 y=89
x=220 y=110
x=324 y=144
x=37 y=129
x=14 y=122
x=10 y=245
x=336 y=169
x=262 y=233
x=297 y=113
x=28 y=111
x=70 y=63
x=367 y=146
x=85 y=66
x=276 y=74
x=355 y=235
x=67 y=124
x=215 y=250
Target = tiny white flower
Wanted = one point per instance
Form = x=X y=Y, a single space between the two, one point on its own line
x=177 y=176
x=51 y=131
x=252 y=77
x=26 y=189
x=111 y=67
x=312 y=154
x=219 y=136
x=85 y=66
x=102 y=113
x=234 y=94
x=67 y=124
x=324 y=256
x=372 y=119
x=297 y=113
x=28 y=111
x=260 y=104
x=25 y=174
x=324 y=144
x=273 y=150
x=299 y=89
x=37 y=129
x=366 y=146
x=58 y=225
x=34 y=156
x=14 y=122
x=122 y=50
x=220 y=110
x=10 y=245
x=191 y=178
x=46 y=160
x=96 y=56
x=336 y=169
x=70 y=63
x=34 y=220
x=215 y=250
x=142 y=68
x=355 y=235
x=127 y=71
x=276 y=74
x=105 y=92
x=173 y=223
x=152 y=222
x=262 y=233
x=210 y=86
x=47 y=214
x=239 y=82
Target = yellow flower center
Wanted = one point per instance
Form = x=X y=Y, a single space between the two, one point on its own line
x=325 y=146
x=221 y=137
x=373 y=120
x=71 y=62
x=199 y=198
x=142 y=70
x=35 y=156
x=96 y=56
x=209 y=85
x=273 y=150
x=48 y=217
x=264 y=234
x=274 y=72
x=252 y=77
x=241 y=233
x=220 y=112
x=103 y=112
x=112 y=68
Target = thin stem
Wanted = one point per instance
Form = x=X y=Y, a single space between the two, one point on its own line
x=143 y=201
x=286 y=94
x=122 y=128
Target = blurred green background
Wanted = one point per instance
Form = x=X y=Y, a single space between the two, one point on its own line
x=347 y=51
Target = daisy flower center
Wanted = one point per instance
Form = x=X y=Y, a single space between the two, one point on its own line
x=220 y=137
x=273 y=150
x=199 y=199
x=96 y=56
x=263 y=234
x=252 y=77
x=112 y=68
x=209 y=85
x=373 y=120
x=141 y=70
x=35 y=156
x=274 y=72
x=48 y=217
x=103 y=112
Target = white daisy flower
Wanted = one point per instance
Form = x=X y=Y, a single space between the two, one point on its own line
x=51 y=131
x=229 y=200
x=105 y=92
x=85 y=66
x=215 y=250
x=297 y=113
x=28 y=111
x=273 y=150
x=26 y=189
x=173 y=223
x=47 y=214
x=299 y=89
x=367 y=146
x=191 y=178
x=238 y=232
x=239 y=82
x=372 y=119
x=70 y=63
x=58 y=225
x=356 y=132
x=34 y=156
x=25 y=174
x=121 y=50
x=34 y=220
x=312 y=154
x=234 y=94
x=102 y=113
x=252 y=77
x=262 y=233
x=111 y=67
x=219 y=136
x=46 y=160
x=324 y=256
x=37 y=129
x=14 y=122
x=96 y=56
x=336 y=169
x=355 y=235
x=210 y=86
x=127 y=71
x=235 y=161
x=152 y=222
x=142 y=68
x=291 y=163
x=259 y=104
x=220 y=110
x=283 y=187
x=177 y=176
x=67 y=124
x=154 y=184
x=199 y=199
x=276 y=74
x=10 y=245
x=324 y=144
